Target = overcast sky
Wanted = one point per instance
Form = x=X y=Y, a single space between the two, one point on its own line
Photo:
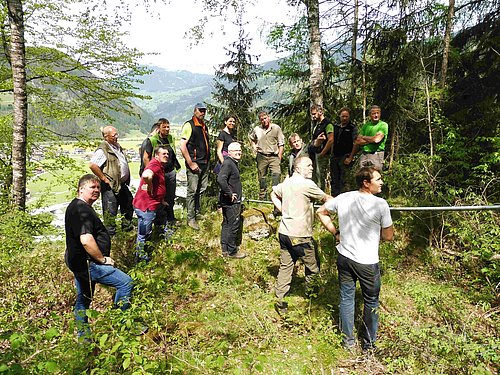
x=162 y=31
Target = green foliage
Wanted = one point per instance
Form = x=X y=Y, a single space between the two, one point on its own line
x=208 y=314
x=17 y=229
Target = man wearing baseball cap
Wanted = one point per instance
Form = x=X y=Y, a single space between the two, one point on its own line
x=195 y=149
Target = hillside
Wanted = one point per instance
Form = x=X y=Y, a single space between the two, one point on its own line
x=174 y=93
x=210 y=315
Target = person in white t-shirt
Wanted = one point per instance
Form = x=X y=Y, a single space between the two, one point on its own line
x=363 y=220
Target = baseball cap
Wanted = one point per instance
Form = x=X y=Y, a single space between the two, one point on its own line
x=200 y=106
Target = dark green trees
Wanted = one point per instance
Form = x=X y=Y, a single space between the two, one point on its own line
x=235 y=93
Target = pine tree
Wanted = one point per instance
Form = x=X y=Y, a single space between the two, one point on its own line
x=234 y=92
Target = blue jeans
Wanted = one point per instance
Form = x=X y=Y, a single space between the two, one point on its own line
x=106 y=275
x=144 y=232
x=369 y=280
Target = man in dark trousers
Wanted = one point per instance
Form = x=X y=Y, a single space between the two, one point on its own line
x=110 y=164
x=320 y=147
x=88 y=246
x=230 y=201
x=344 y=149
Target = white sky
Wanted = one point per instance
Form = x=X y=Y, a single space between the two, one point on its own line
x=163 y=31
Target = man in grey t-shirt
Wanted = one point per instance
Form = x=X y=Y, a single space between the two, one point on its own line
x=359 y=212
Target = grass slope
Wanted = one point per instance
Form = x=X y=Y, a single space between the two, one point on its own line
x=210 y=315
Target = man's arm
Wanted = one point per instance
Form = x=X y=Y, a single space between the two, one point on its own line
x=387 y=234
x=354 y=150
x=362 y=140
x=280 y=151
x=185 y=153
x=223 y=178
x=98 y=172
x=324 y=216
x=90 y=246
x=148 y=152
x=328 y=145
x=147 y=177
x=276 y=200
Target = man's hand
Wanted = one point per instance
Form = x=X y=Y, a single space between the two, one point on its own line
x=108 y=261
x=348 y=160
x=194 y=167
x=234 y=197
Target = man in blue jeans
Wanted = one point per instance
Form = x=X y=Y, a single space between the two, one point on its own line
x=363 y=220
x=88 y=246
x=149 y=199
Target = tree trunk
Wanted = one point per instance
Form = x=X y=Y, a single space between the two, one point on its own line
x=354 y=52
x=18 y=63
x=315 y=63
x=428 y=104
x=447 y=37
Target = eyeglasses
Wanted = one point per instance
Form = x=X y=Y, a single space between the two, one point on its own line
x=202 y=110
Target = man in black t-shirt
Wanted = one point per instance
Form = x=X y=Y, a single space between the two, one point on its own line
x=344 y=150
x=88 y=246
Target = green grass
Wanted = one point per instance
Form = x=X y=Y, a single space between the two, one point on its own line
x=211 y=315
x=58 y=184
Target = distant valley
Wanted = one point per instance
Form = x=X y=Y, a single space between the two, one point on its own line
x=174 y=93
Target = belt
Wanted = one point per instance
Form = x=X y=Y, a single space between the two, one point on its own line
x=268 y=154
x=373 y=152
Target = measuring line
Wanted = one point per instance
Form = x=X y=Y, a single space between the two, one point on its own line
x=444 y=208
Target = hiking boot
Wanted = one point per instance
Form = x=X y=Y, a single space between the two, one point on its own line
x=281 y=307
x=193 y=224
x=237 y=255
x=174 y=223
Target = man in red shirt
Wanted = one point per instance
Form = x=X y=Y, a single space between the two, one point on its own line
x=147 y=200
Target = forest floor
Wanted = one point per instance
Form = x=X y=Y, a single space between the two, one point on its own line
x=208 y=314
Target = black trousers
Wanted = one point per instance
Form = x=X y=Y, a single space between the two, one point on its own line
x=110 y=203
x=232 y=225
